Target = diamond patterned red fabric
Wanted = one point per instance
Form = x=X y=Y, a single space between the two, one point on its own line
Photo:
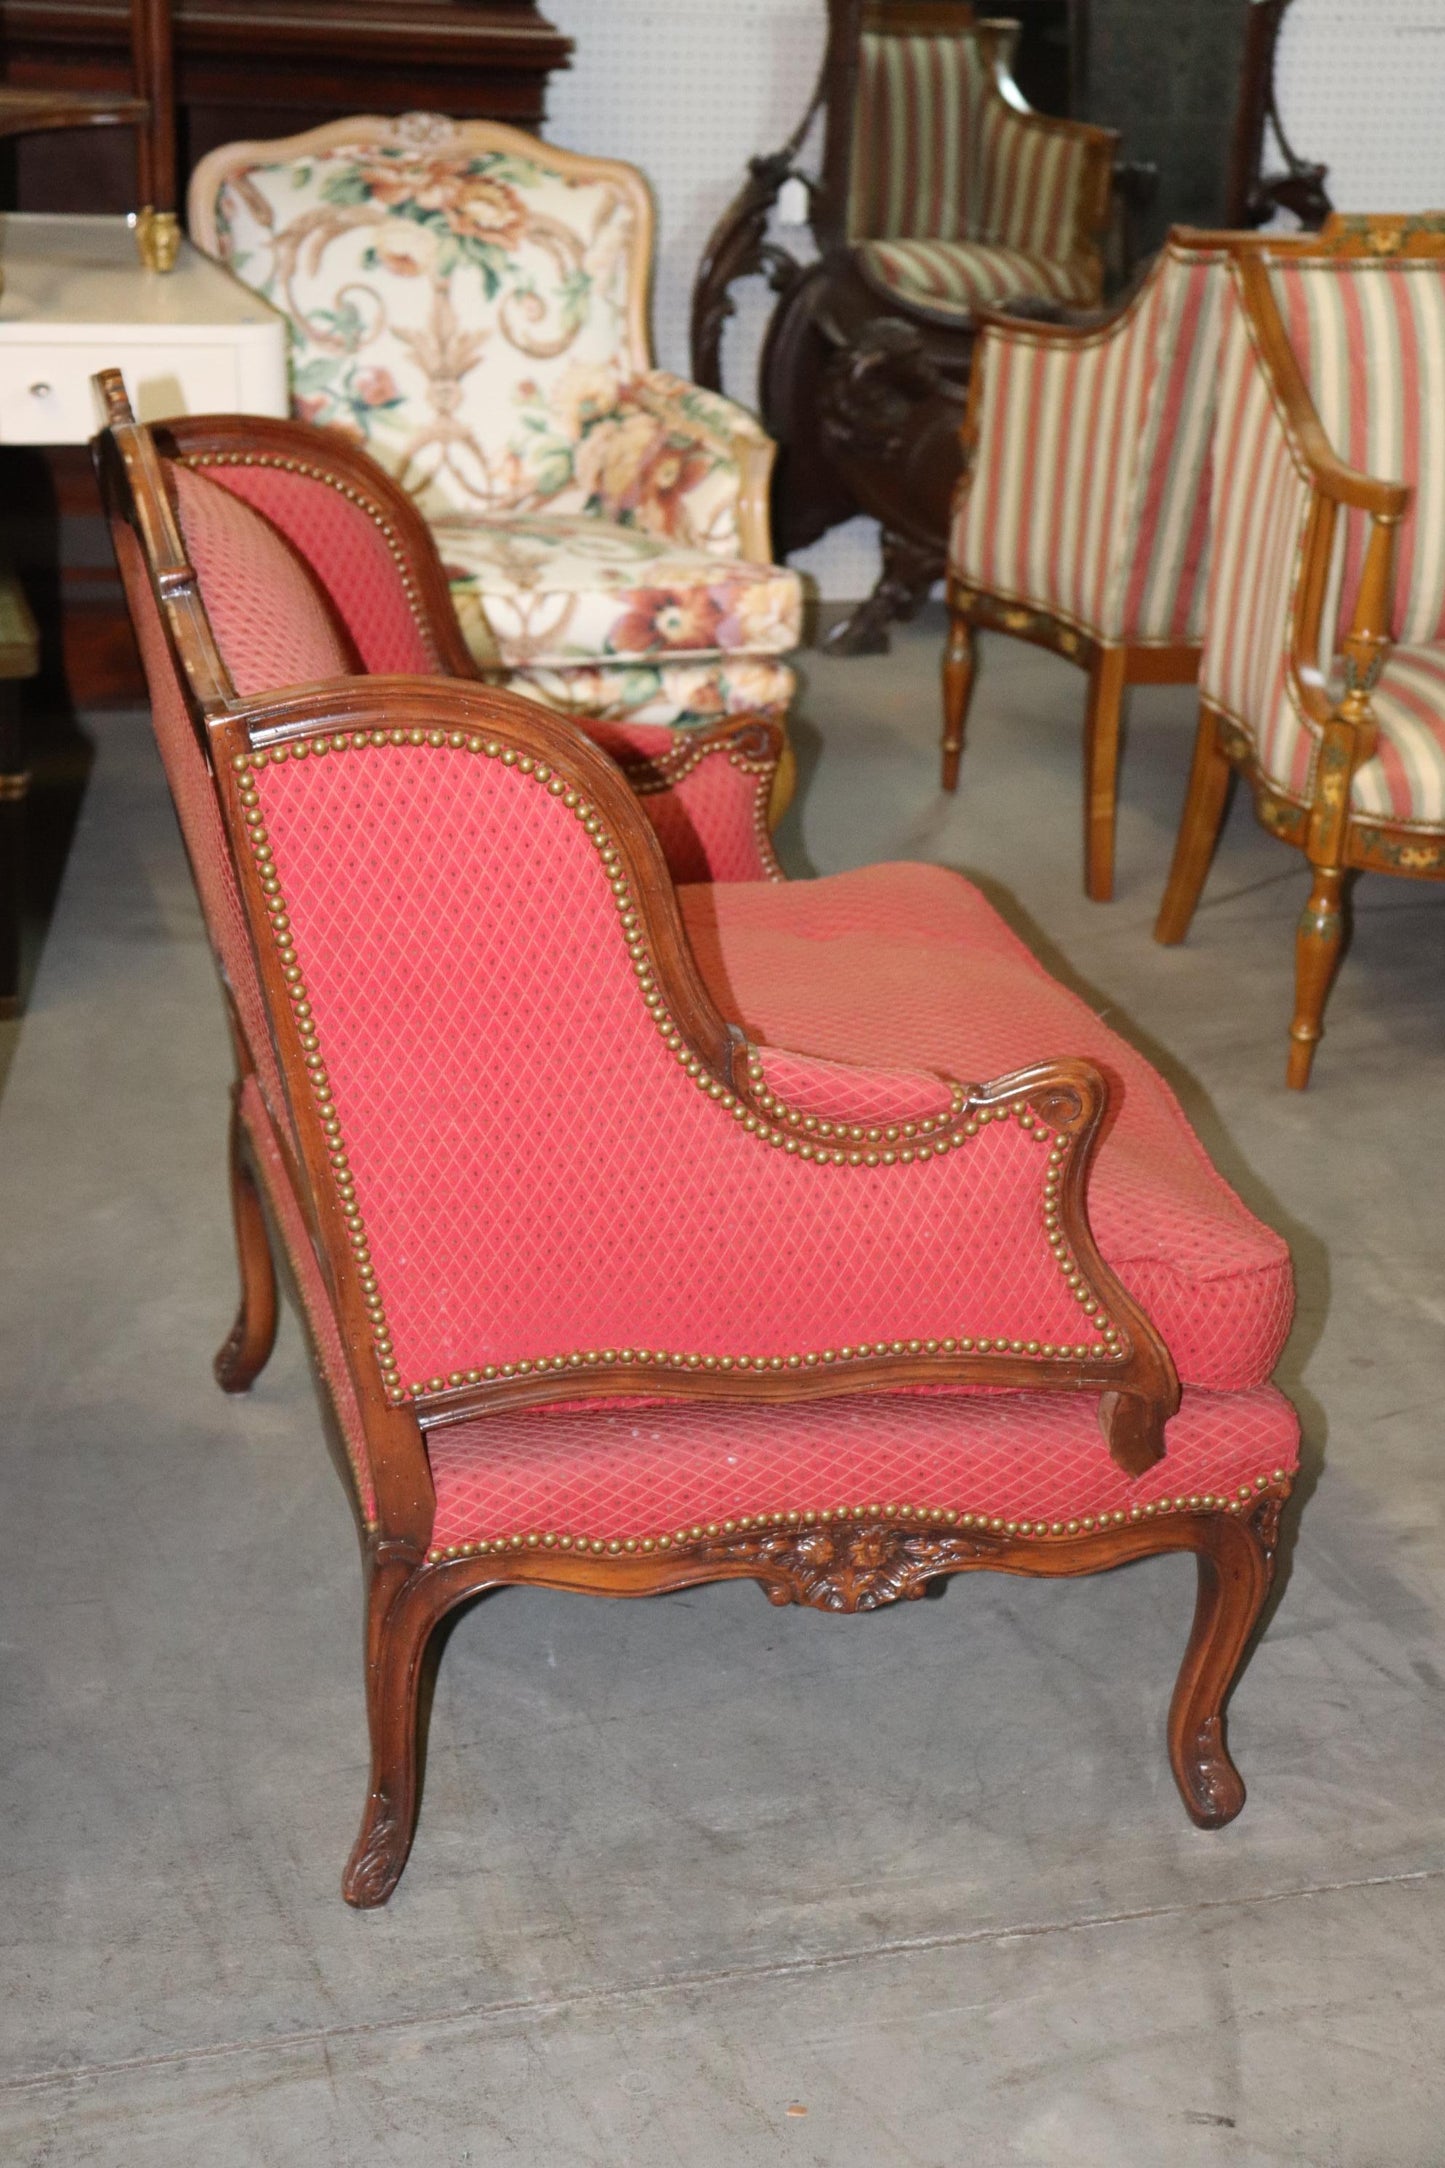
x=272 y=622
x=908 y=965
x=311 y=1286
x=606 y=1474
x=536 y=1172
x=712 y=823
x=194 y=798
x=349 y=554
x=838 y=1092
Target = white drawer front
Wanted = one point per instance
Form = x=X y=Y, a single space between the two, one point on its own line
x=46 y=398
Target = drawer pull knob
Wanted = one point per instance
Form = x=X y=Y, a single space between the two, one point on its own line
x=40 y=391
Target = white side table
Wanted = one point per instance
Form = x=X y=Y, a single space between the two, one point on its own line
x=76 y=299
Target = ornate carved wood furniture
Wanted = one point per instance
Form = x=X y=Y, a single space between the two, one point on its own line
x=148 y=107
x=541 y=1135
x=940 y=193
x=472 y=305
x=1081 y=519
x=1329 y=522
x=1339 y=109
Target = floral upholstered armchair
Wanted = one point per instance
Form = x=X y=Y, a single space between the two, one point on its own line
x=470 y=304
x=545 y=1134
x=1323 y=671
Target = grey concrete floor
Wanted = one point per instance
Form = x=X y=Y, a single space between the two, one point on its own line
x=698 y=1881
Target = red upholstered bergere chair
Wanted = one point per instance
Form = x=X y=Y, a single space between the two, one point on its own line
x=1081 y=520
x=1323 y=678
x=544 y=1136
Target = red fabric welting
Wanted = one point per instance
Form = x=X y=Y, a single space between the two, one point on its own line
x=908 y=966
x=608 y=1475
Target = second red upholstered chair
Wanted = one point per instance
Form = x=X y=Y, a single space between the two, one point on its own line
x=904 y=1254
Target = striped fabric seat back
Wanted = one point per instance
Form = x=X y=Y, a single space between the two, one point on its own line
x=1089 y=490
x=1029 y=184
x=1260 y=511
x=1370 y=338
x=1162 y=569
x=916 y=150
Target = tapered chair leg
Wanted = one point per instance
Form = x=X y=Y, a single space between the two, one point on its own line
x=1199 y=828
x=960 y=665
x=400 y=1614
x=1318 y=943
x=1107 y=678
x=247 y=1347
x=1236 y=1567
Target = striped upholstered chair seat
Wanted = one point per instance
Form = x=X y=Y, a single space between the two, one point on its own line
x=1081 y=520
x=960 y=197
x=1329 y=542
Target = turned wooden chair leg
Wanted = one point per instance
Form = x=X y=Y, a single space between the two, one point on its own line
x=1101 y=769
x=1199 y=827
x=1236 y=1567
x=247 y=1347
x=401 y=1611
x=960 y=665
x=1318 y=943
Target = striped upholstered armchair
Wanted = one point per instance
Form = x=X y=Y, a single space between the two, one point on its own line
x=940 y=192
x=957 y=195
x=1323 y=675
x=1081 y=518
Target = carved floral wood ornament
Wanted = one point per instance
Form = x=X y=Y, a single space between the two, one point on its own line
x=836 y=1325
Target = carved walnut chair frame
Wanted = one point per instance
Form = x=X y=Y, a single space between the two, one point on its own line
x=863 y=393
x=1337 y=842
x=297 y=1204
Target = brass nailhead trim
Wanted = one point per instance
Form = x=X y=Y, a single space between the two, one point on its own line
x=924 y=1518
x=1109 y=1346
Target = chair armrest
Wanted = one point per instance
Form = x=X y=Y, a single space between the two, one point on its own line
x=725 y=505
x=706 y=792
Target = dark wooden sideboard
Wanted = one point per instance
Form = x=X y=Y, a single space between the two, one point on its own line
x=243 y=68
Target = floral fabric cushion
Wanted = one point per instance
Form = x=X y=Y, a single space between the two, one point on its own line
x=554 y=591
x=677 y=695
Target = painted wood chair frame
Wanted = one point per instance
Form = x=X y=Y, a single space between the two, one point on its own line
x=1001 y=440
x=295 y=1203
x=861 y=385
x=1336 y=840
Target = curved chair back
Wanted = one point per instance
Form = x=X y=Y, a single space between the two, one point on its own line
x=461 y=296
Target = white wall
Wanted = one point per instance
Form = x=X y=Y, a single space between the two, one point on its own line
x=688 y=90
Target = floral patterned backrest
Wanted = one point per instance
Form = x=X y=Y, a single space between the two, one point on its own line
x=463 y=298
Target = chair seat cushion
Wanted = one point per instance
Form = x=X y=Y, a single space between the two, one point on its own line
x=555 y=589
x=907 y=966
x=674 y=695
x=953 y=278
x=1405 y=779
x=650 y=1475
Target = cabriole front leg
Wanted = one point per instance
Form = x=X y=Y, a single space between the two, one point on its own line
x=401 y=1610
x=1235 y=1556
